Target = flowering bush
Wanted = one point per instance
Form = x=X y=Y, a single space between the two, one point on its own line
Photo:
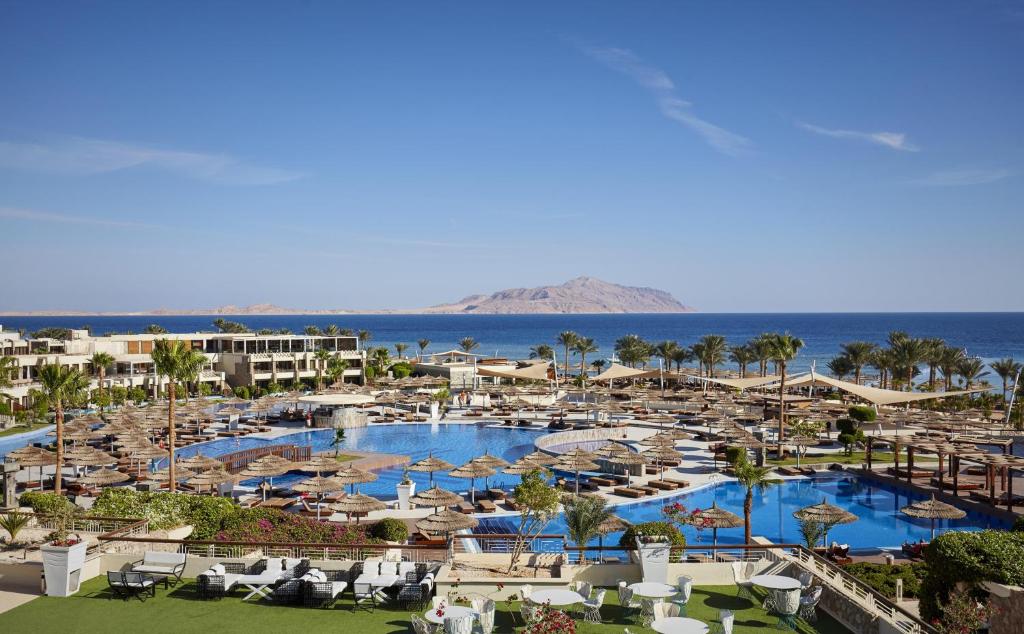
x=963 y=614
x=273 y=525
x=550 y=621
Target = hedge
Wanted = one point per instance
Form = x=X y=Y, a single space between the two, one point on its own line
x=882 y=577
x=167 y=510
x=665 y=529
x=44 y=502
x=390 y=529
x=969 y=557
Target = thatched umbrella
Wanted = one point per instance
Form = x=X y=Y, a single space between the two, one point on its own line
x=199 y=462
x=619 y=454
x=541 y=458
x=523 y=465
x=267 y=467
x=436 y=497
x=37 y=458
x=104 y=476
x=576 y=461
x=352 y=476
x=431 y=464
x=319 y=485
x=716 y=518
x=493 y=462
x=181 y=474
x=471 y=471
x=320 y=464
x=611 y=524
x=933 y=510
x=659 y=455
x=446 y=522
x=825 y=514
x=357 y=503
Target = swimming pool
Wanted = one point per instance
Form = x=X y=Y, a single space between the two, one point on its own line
x=455 y=443
x=881 y=525
x=10 y=443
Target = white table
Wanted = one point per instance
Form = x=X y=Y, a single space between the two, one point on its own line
x=679 y=625
x=556 y=597
x=776 y=585
x=450 y=611
x=653 y=591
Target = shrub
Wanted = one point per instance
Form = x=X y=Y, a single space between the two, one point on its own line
x=45 y=503
x=849 y=433
x=882 y=577
x=167 y=510
x=272 y=525
x=13 y=523
x=118 y=394
x=735 y=455
x=401 y=370
x=1018 y=524
x=205 y=389
x=390 y=529
x=242 y=392
x=664 y=529
x=969 y=557
x=137 y=394
x=862 y=413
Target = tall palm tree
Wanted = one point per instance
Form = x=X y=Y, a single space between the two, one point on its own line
x=751 y=477
x=336 y=369
x=598 y=365
x=933 y=357
x=742 y=356
x=665 y=350
x=468 y=344
x=364 y=336
x=882 y=360
x=567 y=339
x=584 y=515
x=631 y=349
x=908 y=352
x=761 y=346
x=713 y=349
x=683 y=355
x=400 y=348
x=840 y=366
x=971 y=369
x=423 y=344
x=542 y=351
x=858 y=353
x=174 y=359
x=1005 y=368
x=100 y=361
x=60 y=385
x=8 y=370
x=785 y=347
x=311 y=331
x=949 y=365
x=321 y=356
x=332 y=330
x=583 y=347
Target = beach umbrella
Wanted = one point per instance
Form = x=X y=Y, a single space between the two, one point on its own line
x=716 y=518
x=576 y=462
x=933 y=510
x=431 y=464
x=318 y=485
x=471 y=471
x=320 y=464
x=825 y=514
x=436 y=497
x=446 y=522
x=659 y=455
x=199 y=462
x=611 y=524
x=619 y=454
x=357 y=503
x=541 y=458
x=210 y=477
x=104 y=477
x=37 y=458
x=800 y=441
x=523 y=465
x=493 y=462
x=352 y=476
x=181 y=474
x=266 y=467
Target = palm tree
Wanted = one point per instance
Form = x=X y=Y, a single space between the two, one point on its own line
x=155 y=329
x=423 y=344
x=322 y=357
x=400 y=348
x=584 y=515
x=542 y=351
x=632 y=350
x=583 y=347
x=858 y=353
x=174 y=359
x=949 y=365
x=100 y=361
x=933 y=357
x=380 y=357
x=681 y=356
x=598 y=365
x=882 y=360
x=785 y=347
x=567 y=339
x=761 y=347
x=311 y=331
x=840 y=366
x=8 y=370
x=364 y=336
x=742 y=356
x=712 y=349
x=751 y=477
x=908 y=352
x=1005 y=368
x=971 y=369
x=332 y=330
x=59 y=386
x=468 y=344
x=339 y=438
x=336 y=369
x=666 y=349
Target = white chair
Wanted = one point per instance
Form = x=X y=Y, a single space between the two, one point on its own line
x=806 y=579
x=741 y=574
x=525 y=591
x=725 y=622
x=584 y=589
x=458 y=625
x=626 y=598
x=665 y=610
x=485 y=615
x=420 y=625
x=809 y=603
x=685 y=585
x=364 y=596
x=592 y=607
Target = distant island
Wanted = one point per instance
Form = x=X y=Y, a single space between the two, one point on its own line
x=580 y=295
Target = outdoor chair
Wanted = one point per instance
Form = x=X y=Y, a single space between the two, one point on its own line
x=219 y=579
x=584 y=589
x=129 y=584
x=809 y=604
x=806 y=579
x=726 y=618
x=363 y=596
x=629 y=606
x=685 y=585
x=665 y=610
x=741 y=573
x=525 y=591
x=420 y=625
x=166 y=565
x=458 y=625
x=287 y=592
x=592 y=607
x=485 y=615
x=321 y=588
x=414 y=595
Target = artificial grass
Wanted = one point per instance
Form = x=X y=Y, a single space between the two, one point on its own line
x=858 y=457
x=179 y=610
x=21 y=429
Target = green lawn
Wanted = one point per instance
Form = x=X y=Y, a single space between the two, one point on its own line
x=179 y=610
x=858 y=457
x=21 y=429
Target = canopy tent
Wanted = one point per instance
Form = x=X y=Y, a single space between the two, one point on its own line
x=873 y=395
x=616 y=371
x=534 y=372
x=741 y=384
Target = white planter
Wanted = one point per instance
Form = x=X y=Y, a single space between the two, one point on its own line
x=62 y=566
x=435 y=409
x=654 y=557
x=405 y=491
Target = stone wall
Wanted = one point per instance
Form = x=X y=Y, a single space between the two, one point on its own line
x=1008 y=607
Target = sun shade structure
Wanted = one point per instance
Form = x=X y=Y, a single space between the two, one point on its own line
x=534 y=372
x=357 y=504
x=873 y=395
x=28 y=457
x=493 y=462
x=739 y=384
x=436 y=497
x=523 y=465
x=576 y=460
x=431 y=464
x=825 y=514
x=617 y=371
x=319 y=485
x=716 y=518
x=181 y=474
x=471 y=471
x=445 y=522
x=352 y=476
x=933 y=510
x=199 y=462
x=540 y=458
x=104 y=476
x=320 y=464
x=212 y=477
x=267 y=467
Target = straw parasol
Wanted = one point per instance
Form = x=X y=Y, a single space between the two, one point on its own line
x=447 y=521
x=436 y=497
x=320 y=464
x=933 y=510
x=541 y=458
x=611 y=524
x=619 y=454
x=267 y=467
x=199 y=462
x=350 y=475
x=576 y=460
x=181 y=474
x=104 y=476
x=319 y=485
x=34 y=457
x=471 y=471
x=493 y=462
x=431 y=464
x=357 y=503
x=523 y=465
x=826 y=514
x=659 y=455
x=210 y=477
x=716 y=518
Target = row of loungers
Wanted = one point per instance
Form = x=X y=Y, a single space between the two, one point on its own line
x=651 y=488
x=795 y=471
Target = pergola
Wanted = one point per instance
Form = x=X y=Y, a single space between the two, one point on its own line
x=1004 y=465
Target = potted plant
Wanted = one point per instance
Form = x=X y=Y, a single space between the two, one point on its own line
x=63 y=554
x=406 y=488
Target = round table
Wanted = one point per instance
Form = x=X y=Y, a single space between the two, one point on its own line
x=556 y=597
x=653 y=590
x=775 y=582
x=449 y=612
x=679 y=625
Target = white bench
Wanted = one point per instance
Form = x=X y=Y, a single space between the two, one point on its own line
x=163 y=564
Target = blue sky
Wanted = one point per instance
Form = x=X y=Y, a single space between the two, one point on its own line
x=785 y=156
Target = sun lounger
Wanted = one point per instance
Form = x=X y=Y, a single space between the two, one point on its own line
x=682 y=483
x=321 y=588
x=646 y=489
x=947 y=483
x=628 y=492
x=602 y=481
x=277 y=503
x=663 y=486
x=486 y=506
x=788 y=471
x=916 y=473
x=496 y=494
x=465 y=507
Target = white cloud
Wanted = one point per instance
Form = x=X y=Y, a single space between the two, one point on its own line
x=891 y=140
x=962 y=177
x=78 y=155
x=671 y=105
x=33 y=215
